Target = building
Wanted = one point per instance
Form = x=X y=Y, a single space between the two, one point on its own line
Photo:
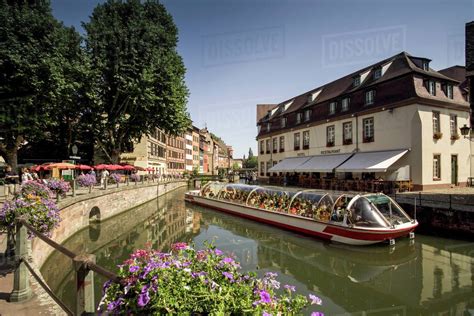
x=188 y=136
x=396 y=120
x=176 y=159
x=149 y=152
x=203 y=154
x=196 y=152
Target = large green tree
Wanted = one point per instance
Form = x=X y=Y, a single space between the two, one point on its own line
x=33 y=81
x=139 y=74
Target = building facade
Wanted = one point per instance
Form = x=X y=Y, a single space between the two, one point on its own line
x=176 y=160
x=150 y=152
x=196 y=152
x=395 y=120
x=188 y=137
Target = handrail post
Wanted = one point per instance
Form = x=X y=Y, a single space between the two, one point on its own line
x=21 y=282
x=84 y=284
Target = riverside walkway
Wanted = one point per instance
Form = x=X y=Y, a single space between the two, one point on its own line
x=40 y=302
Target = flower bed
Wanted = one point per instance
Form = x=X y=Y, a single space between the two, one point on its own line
x=188 y=281
x=34 y=188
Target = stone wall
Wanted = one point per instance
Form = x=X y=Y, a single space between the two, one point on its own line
x=76 y=213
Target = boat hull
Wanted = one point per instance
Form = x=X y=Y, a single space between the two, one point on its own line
x=327 y=231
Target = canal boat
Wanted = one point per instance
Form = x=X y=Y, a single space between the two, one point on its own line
x=354 y=219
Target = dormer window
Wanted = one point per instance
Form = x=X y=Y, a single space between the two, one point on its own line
x=283 y=122
x=345 y=104
x=377 y=73
x=431 y=87
x=356 y=82
x=425 y=65
x=299 y=116
x=332 y=107
x=449 y=90
x=307 y=115
x=369 y=97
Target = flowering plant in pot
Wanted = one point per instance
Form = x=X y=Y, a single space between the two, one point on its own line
x=135 y=177
x=86 y=180
x=60 y=187
x=40 y=212
x=437 y=135
x=115 y=178
x=34 y=188
x=186 y=281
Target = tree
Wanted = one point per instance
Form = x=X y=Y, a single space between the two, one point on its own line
x=250 y=153
x=138 y=73
x=29 y=77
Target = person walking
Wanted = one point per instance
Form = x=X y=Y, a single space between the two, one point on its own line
x=103 y=177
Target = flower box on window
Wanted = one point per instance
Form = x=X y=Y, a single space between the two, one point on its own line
x=305 y=146
x=275 y=151
x=455 y=137
x=437 y=135
x=282 y=150
x=268 y=151
x=330 y=144
x=347 y=141
x=297 y=147
x=368 y=139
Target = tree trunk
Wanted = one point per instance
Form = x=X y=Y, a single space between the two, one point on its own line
x=115 y=156
x=11 y=157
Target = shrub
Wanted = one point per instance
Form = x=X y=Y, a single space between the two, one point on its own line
x=186 y=281
x=60 y=187
x=86 y=180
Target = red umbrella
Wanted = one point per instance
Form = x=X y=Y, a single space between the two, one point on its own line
x=128 y=167
x=100 y=167
x=83 y=167
x=114 y=167
x=139 y=168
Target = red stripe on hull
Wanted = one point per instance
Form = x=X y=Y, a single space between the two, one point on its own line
x=261 y=220
x=367 y=235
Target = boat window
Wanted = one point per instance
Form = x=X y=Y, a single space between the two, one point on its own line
x=236 y=193
x=363 y=213
x=270 y=199
x=339 y=209
x=392 y=212
x=311 y=204
x=212 y=189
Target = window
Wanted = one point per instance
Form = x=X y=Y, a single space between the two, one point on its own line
x=268 y=127
x=425 y=65
x=436 y=123
x=356 y=81
x=269 y=165
x=347 y=133
x=267 y=143
x=449 y=90
x=431 y=87
x=298 y=117
x=307 y=115
x=262 y=168
x=453 y=125
x=262 y=147
x=332 y=107
x=275 y=145
x=282 y=144
x=297 y=141
x=283 y=122
x=368 y=130
x=330 y=136
x=345 y=104
x=306 y=140
x=377 y=73
x=436 y=167
x=369 y=97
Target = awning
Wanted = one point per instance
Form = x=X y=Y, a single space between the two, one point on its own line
x=377 y=161
x=322 y=163
x=288 y=164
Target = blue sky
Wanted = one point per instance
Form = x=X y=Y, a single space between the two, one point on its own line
x=240 y=53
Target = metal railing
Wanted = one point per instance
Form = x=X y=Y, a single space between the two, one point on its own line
x=84 y=266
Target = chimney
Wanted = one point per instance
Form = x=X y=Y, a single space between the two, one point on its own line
x=470 y=65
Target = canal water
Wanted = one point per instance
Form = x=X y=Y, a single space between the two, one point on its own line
x=427 y=276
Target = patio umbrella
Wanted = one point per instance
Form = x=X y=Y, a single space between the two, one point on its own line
x=100 y=167
x=114 y=167
x=139 y=168
x=128 y=167
x=61 y=165
x=83 y=167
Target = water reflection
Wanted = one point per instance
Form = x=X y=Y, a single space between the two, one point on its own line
x=430 y=276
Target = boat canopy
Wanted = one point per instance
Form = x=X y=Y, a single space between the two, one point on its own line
x=370 y=210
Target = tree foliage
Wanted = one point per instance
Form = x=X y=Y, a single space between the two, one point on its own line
x=29 y=74
x=138 y=73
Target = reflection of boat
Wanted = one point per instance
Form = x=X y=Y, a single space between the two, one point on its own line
x=350 y=219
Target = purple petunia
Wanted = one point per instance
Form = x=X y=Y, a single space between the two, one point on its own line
x=264 y=297
x=143 y=299
x=218 y=252
x=266 y=314
x=317 y=314
x=315 y=300
x=290 y=288
x=228 y=275
x=133 y=268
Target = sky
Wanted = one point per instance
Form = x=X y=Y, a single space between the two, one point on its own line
x=242 y=53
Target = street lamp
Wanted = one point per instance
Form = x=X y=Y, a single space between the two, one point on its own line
x=465 y=130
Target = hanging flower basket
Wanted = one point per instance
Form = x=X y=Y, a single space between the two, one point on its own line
x=437 y=135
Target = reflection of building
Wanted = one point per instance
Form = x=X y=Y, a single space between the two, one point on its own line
x=150 y=152
x=176 y=154
x=397 y=119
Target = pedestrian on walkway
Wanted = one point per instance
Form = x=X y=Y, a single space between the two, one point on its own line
x=104 y=175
